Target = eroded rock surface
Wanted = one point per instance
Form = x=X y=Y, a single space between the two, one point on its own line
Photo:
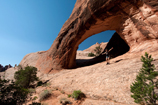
x=135 y=21
x=102 y=84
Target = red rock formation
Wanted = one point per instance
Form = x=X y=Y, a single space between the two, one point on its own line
x=135 y=21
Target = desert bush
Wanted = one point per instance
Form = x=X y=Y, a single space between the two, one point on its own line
x=146 y=82
x=91 y=54
x=98 y=50
x=32 y=90
x=35 y=97
x=24 y=78
x=16 y=93
x=64 y=101
x=11 y=94
x=62 y=92
x=45 y=94
x=77 y=94
x=69 y=95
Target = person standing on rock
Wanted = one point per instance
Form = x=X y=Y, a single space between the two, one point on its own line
x=107 y=55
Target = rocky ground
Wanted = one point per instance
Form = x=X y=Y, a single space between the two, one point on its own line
x=102 y=84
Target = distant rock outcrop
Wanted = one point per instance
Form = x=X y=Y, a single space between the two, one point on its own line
x=4 y=68
x=91 y=48
x=135 y=21
x=1 y=67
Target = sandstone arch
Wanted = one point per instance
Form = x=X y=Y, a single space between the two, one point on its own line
x=135 y=22
x=119 y=45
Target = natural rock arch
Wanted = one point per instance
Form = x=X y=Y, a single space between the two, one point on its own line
x=135 y=22
x=120 y=47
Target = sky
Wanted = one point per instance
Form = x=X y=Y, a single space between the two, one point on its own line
x=28 y=26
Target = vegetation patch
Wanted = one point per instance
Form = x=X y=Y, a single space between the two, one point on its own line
x=16 y=93
x=98 y=50
x=24 y=78
x=64 y=101
x=146 y=83
x=77 y=94
x=34 y=98
x=69 y=95
x=11 y=94
x=91 y=54
x=45 y=94
x=62 y=92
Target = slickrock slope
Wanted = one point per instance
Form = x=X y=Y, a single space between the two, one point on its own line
x=103 y=84
x=134 y=20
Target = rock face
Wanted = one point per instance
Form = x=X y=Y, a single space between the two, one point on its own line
x=136 y=22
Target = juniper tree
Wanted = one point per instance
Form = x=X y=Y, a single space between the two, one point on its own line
x=11 y=94
x=143 y=88
x=98 y=50
x=24 y=78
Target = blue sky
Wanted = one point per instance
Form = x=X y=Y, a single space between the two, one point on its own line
x=28 y=26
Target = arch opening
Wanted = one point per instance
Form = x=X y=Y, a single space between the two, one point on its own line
x=120 y=47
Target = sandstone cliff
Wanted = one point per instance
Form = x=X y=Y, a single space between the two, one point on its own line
x=135 y=22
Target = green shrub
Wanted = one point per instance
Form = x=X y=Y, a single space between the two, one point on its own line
x=69 y=95
x=34 y=98
x=146 y=82
x=98 y=50
x=77 y=94
x=45 y=94
x=11 y=94
x=91 y=54
x=24 y=78
x=16 y=93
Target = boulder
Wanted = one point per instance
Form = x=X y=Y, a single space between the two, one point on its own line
x=134 y=21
